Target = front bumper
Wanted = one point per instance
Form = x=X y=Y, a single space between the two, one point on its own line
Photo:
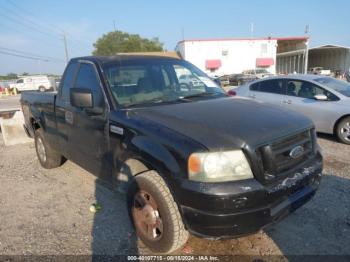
x=226 y=210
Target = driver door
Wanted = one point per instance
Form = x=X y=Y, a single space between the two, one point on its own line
x=88 y=135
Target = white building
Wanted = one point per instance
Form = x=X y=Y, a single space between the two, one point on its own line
x=233 y=55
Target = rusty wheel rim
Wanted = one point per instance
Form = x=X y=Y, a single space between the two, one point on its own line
x=147 y=219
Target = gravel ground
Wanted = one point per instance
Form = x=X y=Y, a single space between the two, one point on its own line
x=46 y=212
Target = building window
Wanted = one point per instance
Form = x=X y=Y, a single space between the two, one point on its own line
x=224 y=52
x=263 y=50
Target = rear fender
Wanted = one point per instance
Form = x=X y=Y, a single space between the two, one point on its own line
x=37 y=119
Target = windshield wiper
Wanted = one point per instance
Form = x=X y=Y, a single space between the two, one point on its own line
x=179 y=99
x=204 y=94
x=147 y=102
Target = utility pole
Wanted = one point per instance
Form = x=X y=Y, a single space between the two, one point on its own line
x=65 y=47
x=251 y=30
x=252 y=45
x=39 y=66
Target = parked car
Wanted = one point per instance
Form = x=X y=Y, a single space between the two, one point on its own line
x=241 y=79
x=37 y=82
x=320 y=71
x=258 y=73
x=323 y=99
x=192 y=161
x=224 y=80
x=188 y=81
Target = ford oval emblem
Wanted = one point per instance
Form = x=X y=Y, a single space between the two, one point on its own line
x=296 y=152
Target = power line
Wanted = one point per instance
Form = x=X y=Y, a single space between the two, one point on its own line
x=52 y=31
x=27 y=57
x=31 y=54
x=53 y=27
x=37 y=38
x=56 y=28
x=17 y=21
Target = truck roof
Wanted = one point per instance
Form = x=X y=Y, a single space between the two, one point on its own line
x=122 y=57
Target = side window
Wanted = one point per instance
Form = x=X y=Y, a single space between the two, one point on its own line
x=20 y=81
x=67 y=81
x=306 y=89
x=87 y=78
x=254 y=87
x=293 y=87
x=272 y=86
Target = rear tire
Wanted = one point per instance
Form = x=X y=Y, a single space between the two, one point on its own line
x=155 y=214
x=48 y=157
x=343 y=131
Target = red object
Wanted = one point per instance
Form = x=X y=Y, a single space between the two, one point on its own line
x=187 y=250
x=213 y=64
x=261 y=62
x=231 y=93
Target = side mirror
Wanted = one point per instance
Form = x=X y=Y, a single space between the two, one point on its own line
x=81 y=97
x=321 y=97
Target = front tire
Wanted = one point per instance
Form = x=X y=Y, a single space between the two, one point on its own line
x=48 y=157
x=155 y=214
x=343 y=130
x=42 y=89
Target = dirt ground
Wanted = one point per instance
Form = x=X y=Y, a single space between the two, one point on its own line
x=46 y=212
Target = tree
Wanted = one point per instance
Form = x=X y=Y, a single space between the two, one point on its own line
x=121 y=42
x=11 y=76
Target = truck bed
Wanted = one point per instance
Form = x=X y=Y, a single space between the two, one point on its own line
x=38 y=105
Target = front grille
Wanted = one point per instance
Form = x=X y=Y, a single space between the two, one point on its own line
x=276 y=157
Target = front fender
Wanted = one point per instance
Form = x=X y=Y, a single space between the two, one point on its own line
x=156 y=155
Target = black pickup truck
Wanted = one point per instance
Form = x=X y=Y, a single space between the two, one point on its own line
x=190 y=158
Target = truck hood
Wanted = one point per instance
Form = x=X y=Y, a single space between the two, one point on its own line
x=226 y=122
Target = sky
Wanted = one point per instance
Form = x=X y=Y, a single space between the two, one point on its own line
x=35 y=27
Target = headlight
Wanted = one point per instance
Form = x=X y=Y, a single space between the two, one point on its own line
x=219 y=166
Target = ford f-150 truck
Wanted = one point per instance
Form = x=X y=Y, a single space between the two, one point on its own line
x=190 y=160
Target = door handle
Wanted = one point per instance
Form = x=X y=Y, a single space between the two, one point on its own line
x=287 y=101
x=252 y=96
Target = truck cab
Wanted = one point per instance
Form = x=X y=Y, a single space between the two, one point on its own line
x=190 y=161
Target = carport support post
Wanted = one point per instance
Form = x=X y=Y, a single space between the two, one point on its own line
x=306 y=56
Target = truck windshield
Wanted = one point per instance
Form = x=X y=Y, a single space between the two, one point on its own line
x=337 y=85
x=154 y=81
